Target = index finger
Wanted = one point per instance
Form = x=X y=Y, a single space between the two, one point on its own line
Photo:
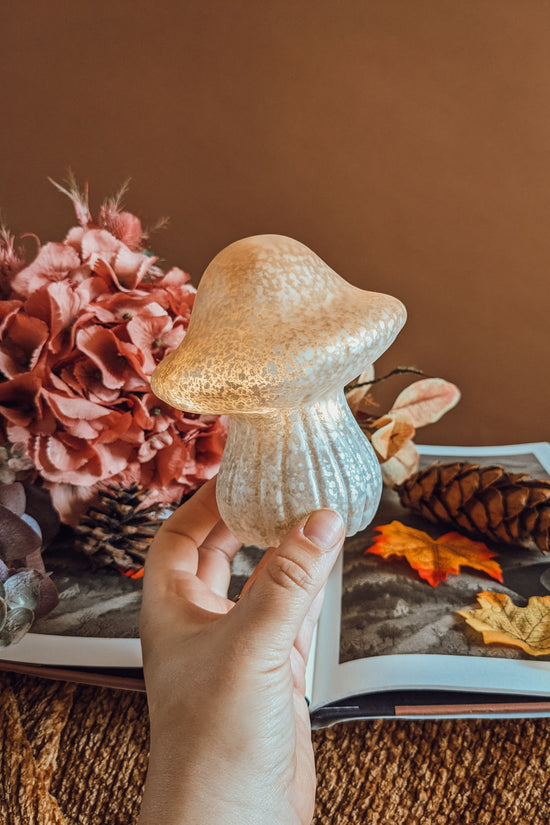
x=175 y=548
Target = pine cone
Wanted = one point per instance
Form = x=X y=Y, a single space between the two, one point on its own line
x=114 y=532
x=505 y=507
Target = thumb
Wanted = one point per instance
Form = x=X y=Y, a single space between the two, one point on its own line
x=276 y=600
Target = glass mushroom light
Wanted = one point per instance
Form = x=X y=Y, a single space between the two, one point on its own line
x=274 y=336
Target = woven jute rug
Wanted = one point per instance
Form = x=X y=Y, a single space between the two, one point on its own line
x=73 y=755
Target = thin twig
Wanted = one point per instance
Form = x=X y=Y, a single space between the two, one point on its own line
x=396 y=371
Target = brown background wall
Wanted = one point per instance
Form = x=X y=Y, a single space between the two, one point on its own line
x=407 y=142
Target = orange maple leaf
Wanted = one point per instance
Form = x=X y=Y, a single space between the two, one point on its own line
x=434 y=559
x=133 y=574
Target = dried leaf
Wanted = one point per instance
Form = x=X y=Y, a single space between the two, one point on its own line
x=434 y=559
x=400 y=466
x=359 y=399
x=426 y=401
x=366 y=376
x=500 y=621
x=391 y=433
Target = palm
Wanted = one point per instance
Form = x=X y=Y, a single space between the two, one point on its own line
x=200 y=593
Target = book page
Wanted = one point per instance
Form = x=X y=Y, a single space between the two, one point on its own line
x=96 y=623
x=383 y=628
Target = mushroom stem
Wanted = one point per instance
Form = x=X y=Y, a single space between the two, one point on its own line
x=280 y=465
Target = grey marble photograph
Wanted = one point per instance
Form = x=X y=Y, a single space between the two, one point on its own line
x=102 y=602
x=387 y=608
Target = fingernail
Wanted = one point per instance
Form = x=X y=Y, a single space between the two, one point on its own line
x=324 y=528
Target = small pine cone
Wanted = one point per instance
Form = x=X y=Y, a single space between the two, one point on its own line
x=114 y=532
x=502 y=506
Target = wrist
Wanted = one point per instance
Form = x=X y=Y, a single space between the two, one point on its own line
x=182 y=803
x=185 y=787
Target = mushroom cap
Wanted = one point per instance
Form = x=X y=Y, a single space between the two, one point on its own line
x=272 y=327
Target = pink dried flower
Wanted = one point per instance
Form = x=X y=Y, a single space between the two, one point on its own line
x=81 y=330
x=11 y=261
x=54 y=262
x=123 y=225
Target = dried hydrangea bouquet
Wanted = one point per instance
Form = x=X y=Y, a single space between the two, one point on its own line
x=82 y=326
x=274 y=337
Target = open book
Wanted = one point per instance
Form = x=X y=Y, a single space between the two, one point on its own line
x=387 y=643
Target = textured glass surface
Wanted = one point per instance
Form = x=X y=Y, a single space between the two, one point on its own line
x=274 y=336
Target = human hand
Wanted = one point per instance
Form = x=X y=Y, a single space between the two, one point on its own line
x=230 y=730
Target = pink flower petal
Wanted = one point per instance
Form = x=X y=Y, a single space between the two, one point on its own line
x=90 y=289
x=71 y=500
x=22 y=344
x=175 y=293
x=69 y=409
x=58 y=460
x=154 y=444
x=115 y=308
x=7 y=310
x=114 y=457
x=148 y=333
x=171 y=339
x=113 y=427
x=123 y=225
x=69 y=460
x=131 y=474
x=174 y=461
x=130 y=267
x=98 y=243
x=19 y=399
x=109 y=257
x=74 y=238
x=106 y=351
x=54 y=262
x=85 y=379
x=57 y=305
x=209 y=447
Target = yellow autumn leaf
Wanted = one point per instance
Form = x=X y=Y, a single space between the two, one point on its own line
x=500 y=621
